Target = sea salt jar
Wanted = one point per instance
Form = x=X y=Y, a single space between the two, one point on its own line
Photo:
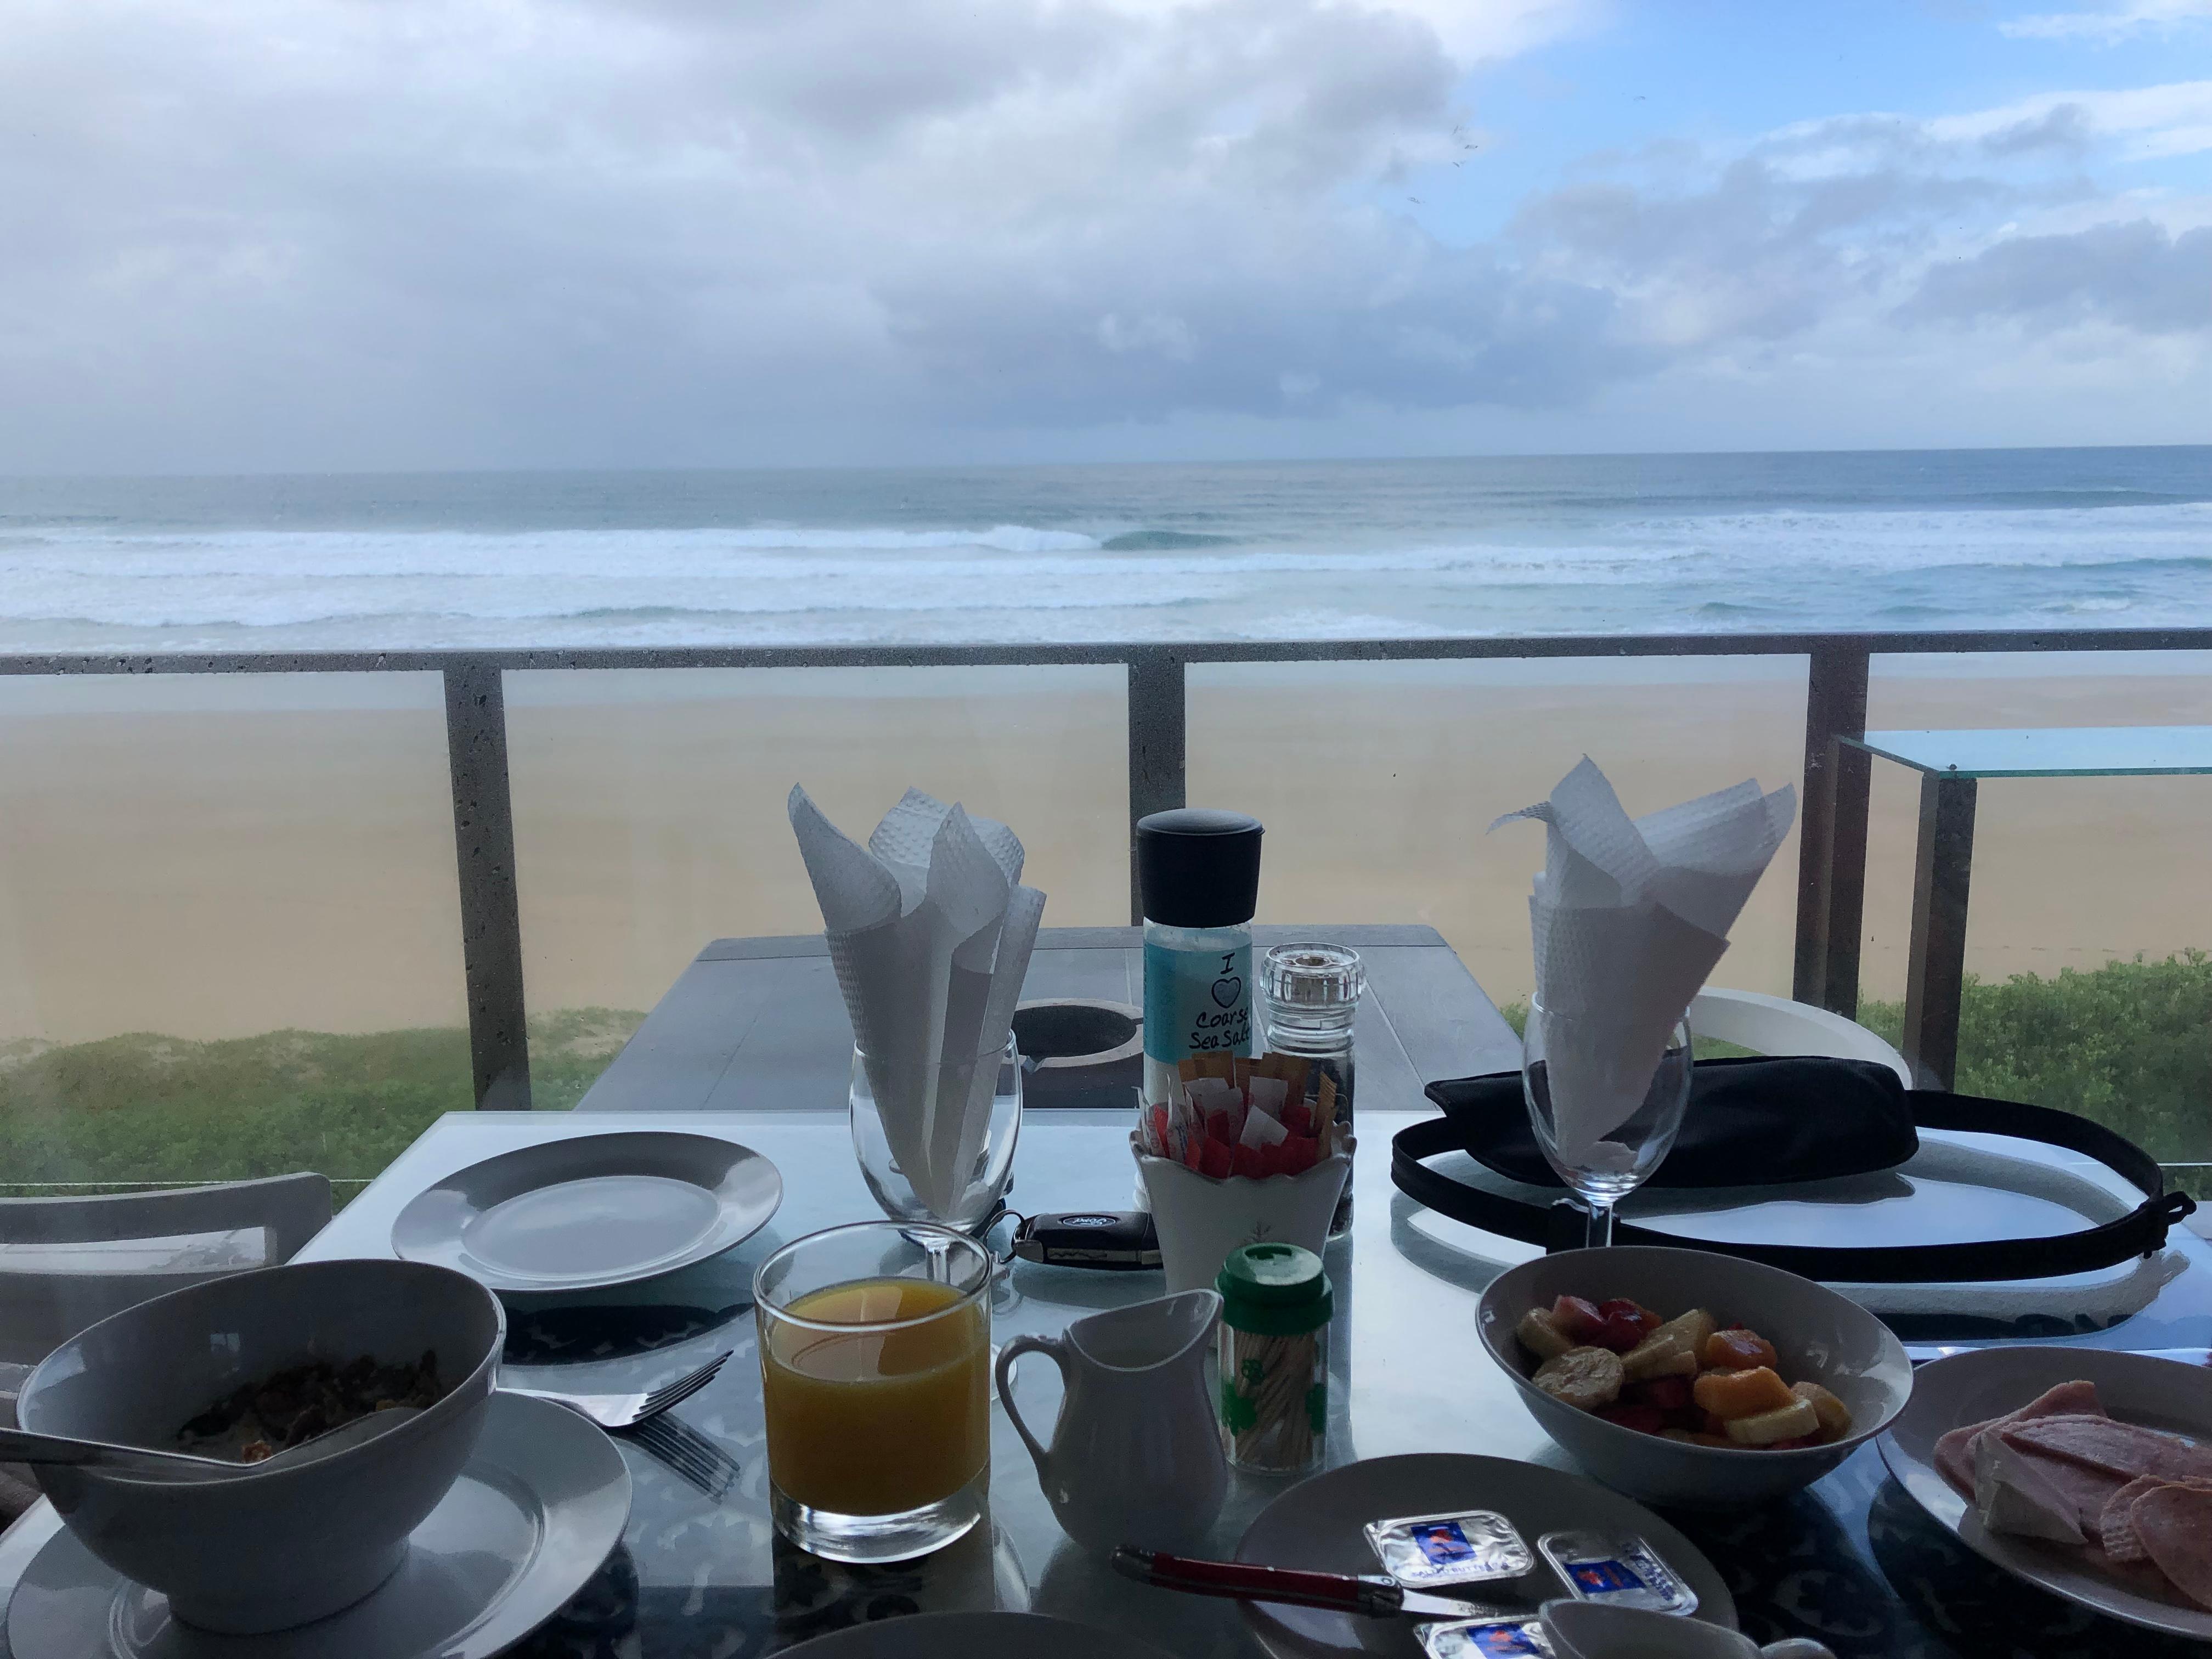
x=1198 y=878
x=1309 y=996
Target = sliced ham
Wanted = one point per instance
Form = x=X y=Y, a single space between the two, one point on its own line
x=2116 y=1527
x=2124 y=1449
x=1954 y=1452
x=2175 y=1525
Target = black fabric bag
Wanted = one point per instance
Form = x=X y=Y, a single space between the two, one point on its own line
x=1767 y=1122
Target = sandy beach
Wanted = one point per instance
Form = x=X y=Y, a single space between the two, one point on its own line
x=224 y=859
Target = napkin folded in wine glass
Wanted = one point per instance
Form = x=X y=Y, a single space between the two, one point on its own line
x=930 y=931
x=1629 y=916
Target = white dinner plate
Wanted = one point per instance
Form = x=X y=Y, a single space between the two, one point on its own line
x=1972 y=1388
x=590 y=1211
x=1317 y=1524
x=974 y=1636
x=541 y=1503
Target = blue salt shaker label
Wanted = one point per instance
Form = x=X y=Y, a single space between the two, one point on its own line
x=1197 y=1002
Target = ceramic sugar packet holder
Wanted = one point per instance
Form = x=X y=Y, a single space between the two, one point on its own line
x=1200 y=1219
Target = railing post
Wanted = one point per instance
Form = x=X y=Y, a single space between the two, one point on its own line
x=1157 y=729
x=492 y=918
x=1832 y=830
x=1936 y=972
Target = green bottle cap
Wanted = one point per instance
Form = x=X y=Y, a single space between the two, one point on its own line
x=1274 y=1290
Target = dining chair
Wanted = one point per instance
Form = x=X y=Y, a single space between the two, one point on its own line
x=1776 y=1025
x=66 y=1263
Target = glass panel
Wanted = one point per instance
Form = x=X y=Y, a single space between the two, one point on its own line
x=1377 y=781
x=227 y=934
x=2087 y=917
x=650 y=818
x=2052 y=751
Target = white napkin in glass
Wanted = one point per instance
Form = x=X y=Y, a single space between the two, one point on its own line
x=930 y=932
x=1629 y=917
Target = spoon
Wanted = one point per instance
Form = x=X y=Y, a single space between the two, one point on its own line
x=21 y=1446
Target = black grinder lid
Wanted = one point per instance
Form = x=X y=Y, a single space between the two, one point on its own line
x=1199 y=867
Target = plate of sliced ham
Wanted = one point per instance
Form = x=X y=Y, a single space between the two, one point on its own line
x=2086 y=1471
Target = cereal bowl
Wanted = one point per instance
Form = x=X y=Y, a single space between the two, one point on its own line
x=1819 y=1336
x=263 y=1551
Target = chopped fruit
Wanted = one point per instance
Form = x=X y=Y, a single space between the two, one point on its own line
x=1537 y=1334
x=1576 y=1318
x=1661 y=1354
x=1620 y=1331
x=1737 y=1351
x=1585 y=1378
x=1736 y=1395
x=1666 y=1393
x=1689 y=1378
x=1793 y=1421
x=1835 y=1416
x=1620 y=1306
x=1696 y=1326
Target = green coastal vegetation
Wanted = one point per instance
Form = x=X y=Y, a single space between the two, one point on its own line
x=2129 y=1044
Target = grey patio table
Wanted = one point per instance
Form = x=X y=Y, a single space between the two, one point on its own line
x=751 y=1042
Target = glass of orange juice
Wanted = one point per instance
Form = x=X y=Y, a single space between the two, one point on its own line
x=875 y=1348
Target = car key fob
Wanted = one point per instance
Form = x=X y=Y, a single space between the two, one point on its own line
x=1121 y=1241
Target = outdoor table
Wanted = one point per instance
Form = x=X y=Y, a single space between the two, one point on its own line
x=1852 y=1561
x=1951 y=765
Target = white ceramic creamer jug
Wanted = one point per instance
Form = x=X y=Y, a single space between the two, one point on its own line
x=1135 y=1456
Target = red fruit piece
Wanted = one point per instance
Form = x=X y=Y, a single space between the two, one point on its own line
x=1620 y=1306
x=1619 y=1332
x=1577 y=1320
x=1643 y=1419
x=1664 y=1394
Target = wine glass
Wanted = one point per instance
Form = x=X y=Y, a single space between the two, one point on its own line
x=1564 y=1067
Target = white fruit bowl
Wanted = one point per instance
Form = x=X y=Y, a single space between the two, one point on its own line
x=1818 y=1335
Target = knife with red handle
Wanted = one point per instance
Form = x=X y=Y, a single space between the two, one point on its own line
x=1374 y=1597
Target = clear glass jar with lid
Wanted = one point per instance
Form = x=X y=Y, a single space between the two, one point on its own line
x=1309 y=1002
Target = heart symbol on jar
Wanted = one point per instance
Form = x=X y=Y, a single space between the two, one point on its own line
x=1226 y=991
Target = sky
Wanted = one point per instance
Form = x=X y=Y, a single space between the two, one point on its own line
x=286 y=235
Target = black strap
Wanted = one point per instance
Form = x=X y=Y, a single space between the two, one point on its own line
x=1558 y=1225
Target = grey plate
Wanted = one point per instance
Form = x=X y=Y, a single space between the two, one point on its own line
x=1317 y=1522
x=1972 y=1388
x=589 y=1211
x=974 y=1636
x=539 y=1507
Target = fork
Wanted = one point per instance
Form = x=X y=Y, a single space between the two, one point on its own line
x=627 y=1411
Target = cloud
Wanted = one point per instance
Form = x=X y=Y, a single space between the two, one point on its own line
x=2136 y=275
x=270 y=234
x=2107 y=26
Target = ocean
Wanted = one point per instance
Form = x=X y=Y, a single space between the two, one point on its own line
x=1922 y=539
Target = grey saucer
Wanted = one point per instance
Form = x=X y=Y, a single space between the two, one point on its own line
x=589 y=1211
x=537 y=1509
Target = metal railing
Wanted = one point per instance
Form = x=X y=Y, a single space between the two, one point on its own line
x=1831 y=860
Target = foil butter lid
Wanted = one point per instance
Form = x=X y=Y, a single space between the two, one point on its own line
x=1422 y=1551
x=1486 y=1638
x=1618 y=1569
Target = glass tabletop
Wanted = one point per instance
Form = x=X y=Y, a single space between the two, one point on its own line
x=1852 y=1561
x=2066 y=751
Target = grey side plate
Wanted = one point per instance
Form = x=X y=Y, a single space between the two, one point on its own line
x=590 y=1211
x=541 y=1504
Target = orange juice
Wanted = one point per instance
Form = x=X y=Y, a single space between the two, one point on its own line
x=877 y=1421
